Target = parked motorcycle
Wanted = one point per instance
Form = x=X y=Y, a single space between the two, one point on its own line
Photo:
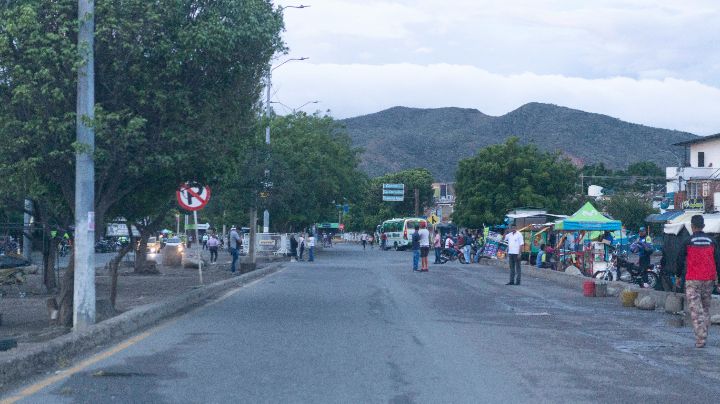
x=632 y=272
x=452 y=254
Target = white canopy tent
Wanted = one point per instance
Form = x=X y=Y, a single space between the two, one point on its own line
x=675 y=226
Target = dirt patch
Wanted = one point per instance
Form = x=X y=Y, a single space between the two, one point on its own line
x=24 y=310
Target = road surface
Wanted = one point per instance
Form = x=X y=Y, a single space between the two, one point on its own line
x=360 y=327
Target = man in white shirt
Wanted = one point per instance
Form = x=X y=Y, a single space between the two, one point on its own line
x=424 y=246
x=311 y=247
x=515 y=241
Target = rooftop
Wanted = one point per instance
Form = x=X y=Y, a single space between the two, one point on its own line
x=698 y=140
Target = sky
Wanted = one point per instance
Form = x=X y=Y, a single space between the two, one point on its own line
x=652 y=62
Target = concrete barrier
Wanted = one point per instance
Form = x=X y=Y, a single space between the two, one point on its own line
x=16 y=365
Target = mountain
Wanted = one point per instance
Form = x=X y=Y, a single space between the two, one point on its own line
x=400 y=137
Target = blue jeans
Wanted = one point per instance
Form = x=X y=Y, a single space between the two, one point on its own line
x=416 y=259
x=235 y=253
x=311 y=257
x=466 y=253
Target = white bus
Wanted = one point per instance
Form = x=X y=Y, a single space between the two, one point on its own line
x=399 y=231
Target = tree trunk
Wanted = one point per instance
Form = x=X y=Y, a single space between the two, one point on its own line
x=141 y=253
x=114 y=264
x=49 y=252
x=66 y=294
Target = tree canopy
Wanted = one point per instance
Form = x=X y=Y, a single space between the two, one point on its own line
x=510 y=175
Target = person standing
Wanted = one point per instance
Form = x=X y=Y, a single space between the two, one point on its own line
x=700 y=262
x=416 y=247
x=205 y=239
x=468 y=247
x=383 y=241
x=301 y=243
x=424 y=246
x=293 y=247
x=363 y=240
x=311 y=247
x=437 y=244
x=515 y=241
x=234 y=243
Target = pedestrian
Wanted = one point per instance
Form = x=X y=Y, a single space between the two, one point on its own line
x=383 y=241
x=234 y=244
x=700 y=262
x=363 y=240
x=416 y=247
x=424 y=246
x=311 y=247
x=212 y=244
x=515 y=241
x=371 y=240
x=293 y=247
x=205 y=239
x=468 y=247
x=301 y=243
x=437 y=245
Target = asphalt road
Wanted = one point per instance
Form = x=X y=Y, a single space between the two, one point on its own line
x=359 y=326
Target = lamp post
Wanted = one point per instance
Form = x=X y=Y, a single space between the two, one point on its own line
x=266 y=214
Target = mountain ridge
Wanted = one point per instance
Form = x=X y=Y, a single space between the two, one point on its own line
x=401 y=137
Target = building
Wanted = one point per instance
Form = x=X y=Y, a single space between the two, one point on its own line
x=695 y=182
x=444 y=198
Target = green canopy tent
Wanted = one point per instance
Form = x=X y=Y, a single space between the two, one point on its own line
x=587 y=218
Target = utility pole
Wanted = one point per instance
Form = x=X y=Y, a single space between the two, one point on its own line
x=84 y=284
x=27 y=223
x=417 y=202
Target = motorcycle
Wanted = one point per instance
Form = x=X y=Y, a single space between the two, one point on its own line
x=648 y=278
x=452 y=254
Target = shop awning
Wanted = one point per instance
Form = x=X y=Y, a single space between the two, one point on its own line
x=663 y=217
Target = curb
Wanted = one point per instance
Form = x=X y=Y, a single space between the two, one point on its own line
x=576 y=282
x=59 y=351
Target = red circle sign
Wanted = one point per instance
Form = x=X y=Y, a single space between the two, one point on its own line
x=193 y=197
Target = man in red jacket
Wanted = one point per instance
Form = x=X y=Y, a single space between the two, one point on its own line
x=700 y=256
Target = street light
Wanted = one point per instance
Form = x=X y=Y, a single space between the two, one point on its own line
x=295 y=109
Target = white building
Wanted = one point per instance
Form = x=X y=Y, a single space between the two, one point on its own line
x=696 y=183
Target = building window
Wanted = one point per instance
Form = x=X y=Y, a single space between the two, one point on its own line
x=701 y=159
x=693 y=190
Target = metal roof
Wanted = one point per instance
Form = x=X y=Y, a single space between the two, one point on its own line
x=663 y=217
x=699 y=139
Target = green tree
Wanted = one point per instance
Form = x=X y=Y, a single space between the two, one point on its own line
x=509 y=175
x=630 y=209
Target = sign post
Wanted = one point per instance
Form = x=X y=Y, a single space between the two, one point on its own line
x=193 y=198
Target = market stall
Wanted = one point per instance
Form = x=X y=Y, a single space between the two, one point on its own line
x=579 y=227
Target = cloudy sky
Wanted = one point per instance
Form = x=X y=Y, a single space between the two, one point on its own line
x=654 y=62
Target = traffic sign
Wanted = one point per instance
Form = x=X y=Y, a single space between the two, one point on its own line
x=433 y=219
x=393 y=192
x=193 y=197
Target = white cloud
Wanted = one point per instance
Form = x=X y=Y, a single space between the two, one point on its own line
x=350 y=90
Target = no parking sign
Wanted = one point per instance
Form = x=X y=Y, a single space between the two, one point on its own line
x=193 y=197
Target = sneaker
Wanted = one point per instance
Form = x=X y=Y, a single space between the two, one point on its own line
x=510 y=283
x=416 y=270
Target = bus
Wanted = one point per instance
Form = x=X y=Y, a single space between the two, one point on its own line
x=399 y=231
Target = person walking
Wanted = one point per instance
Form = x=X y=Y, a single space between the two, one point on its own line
x=311 y=247
x=416 y=247
x=700 y=262
x=383 y=241
x=515 y=241
x=212 y=245
x=234 y=243
x=301 y=243
x=424 y=246
x=437 y=245
x=205 y=239
x=363 y=240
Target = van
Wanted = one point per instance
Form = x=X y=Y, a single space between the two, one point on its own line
x=399 y=231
